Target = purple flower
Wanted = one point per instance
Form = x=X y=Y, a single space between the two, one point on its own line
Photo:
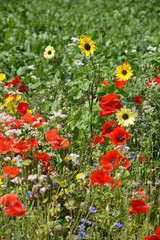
x=81 y=227
x=132 y=155
x=92 y=209
x=95 y=164
x=28 y=195
x=82 y=234
x=83 y=220
x=118 y=225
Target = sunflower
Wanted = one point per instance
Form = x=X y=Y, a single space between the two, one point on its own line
x=87 y=45
x=125 y=117
x=49 y=52
x=124 y=72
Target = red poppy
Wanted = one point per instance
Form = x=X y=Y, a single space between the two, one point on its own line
x=119 y=136
x=27 y=117
x=41 y=156
x=22 y=108
x=139 y=206
x=21 y=147
x=141 y=159
x=5 y=145
x=123 y=163
x=100 y=177
x=15 y=124
x=105 y=83
x=51 y=136
x=8 y=199
x=37 y=121
x=15 y=210
x=120 y=84
x=157 y=81
x=11 y=171
x=109 y=105
x=33 y=143
x=107 y=129
x=16 y=81
x=97 y=140
x=138 y=100
x=22 y=88
x=141 y=193
x=110 y=159
x=154 y=237
x=61 y=143
x=47 y=166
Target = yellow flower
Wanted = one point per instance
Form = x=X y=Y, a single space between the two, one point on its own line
x=78 y=176
x=9 y=99
x=124 y=72
x=87 y=45
x=2 y=76
x=49 y=52
x=29 y=111
x=125 y=117
x=0 y=181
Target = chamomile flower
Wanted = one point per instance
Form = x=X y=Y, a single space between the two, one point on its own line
x=49 y=52
x=125 y=117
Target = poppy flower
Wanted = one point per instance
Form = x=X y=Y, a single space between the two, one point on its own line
x=123 y=163
x=105 y=83
x=157 y=81
x=33 y=143
x=119 y=136
x=100 y=177
x=97 y=140
x=8 y=199
x=61 y=143
x=37 y=121
x=22 y=108
x=120 y=84
x=22 y=88
x=15 y=210
x=141 y=193
x=21 y=147
x=138 y=100
x=154 y=237
x=109 y=105
x=110 y=159
x=107 y=129
x=139 y=206
x=11 y=171
x=5 y=145
x=41 y=156
x=16 y=81
x=51 y=136
x=27 y=117
x=15 y=124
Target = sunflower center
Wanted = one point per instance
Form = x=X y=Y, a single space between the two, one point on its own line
x=120 y=139
x=124 y=72
x=87 y=46
x=49 y=52
x=125 y=116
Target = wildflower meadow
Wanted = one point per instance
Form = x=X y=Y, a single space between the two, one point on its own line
x=80 y=120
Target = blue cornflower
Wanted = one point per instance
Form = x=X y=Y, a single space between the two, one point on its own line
x=81 y=227
x=54 y=185
x=92 y=209
x=132 y=155
x=18 y=235
x=118 y=225
x=95 y=164
x=29 y=195
x=143 y=123
x=82 y=234
x=83 y=220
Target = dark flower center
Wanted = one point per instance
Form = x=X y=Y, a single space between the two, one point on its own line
x=125 y=116
x=113 y=160
x=49 y=52
x=110 y=129
x=87 y=46
x=124 y=72
x=120 y=139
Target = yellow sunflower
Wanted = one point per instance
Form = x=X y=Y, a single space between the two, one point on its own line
x=125 y=117
x=2 y=76
x=124 y=72
x=87 y=45
x=49 y=52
